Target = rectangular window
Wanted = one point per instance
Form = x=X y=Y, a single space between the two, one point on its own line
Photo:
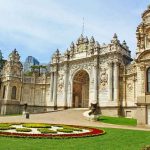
x=148 y=80
x=4 y=91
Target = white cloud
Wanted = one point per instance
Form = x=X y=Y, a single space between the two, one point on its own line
x=39 y=27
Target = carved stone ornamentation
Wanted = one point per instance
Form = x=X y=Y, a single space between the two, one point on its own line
x=142 y=67
x=103 y=79
x=130 y=86
x=131 y=69
x=60 y=82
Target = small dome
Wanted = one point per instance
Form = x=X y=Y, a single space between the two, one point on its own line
x=97 y=45
x=81 y=37
x=92 y=40
x=57 y=51
x=14 y=56
x=115 y=36
x=86 y=39
x=72 y=45
x=124 y=43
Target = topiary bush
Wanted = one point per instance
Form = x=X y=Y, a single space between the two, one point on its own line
x=65 y=130
x=37 y=125
x=46 y=131
x=23 y=130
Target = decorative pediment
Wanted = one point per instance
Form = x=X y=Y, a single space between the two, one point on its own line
x=144 y=56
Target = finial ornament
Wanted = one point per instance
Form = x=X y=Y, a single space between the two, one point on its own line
x=115 y=36
x=124 y=42
x=1 y=56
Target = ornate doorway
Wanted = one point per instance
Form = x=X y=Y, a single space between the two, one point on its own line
x=81 y=90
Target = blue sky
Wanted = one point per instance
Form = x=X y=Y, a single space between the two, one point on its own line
x=38 y=27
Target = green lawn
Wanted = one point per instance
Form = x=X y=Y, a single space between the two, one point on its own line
x=118 y=120
x=114 y=139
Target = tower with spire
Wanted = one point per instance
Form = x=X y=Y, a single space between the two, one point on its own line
x=143 y=33
x=11 y=84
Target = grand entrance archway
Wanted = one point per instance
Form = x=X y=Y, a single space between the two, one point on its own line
x=81 y=90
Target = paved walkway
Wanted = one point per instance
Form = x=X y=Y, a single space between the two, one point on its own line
x=70 y=117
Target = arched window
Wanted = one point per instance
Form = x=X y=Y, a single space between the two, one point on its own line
x=13 y=94
x=4 y=89
x=148 y=80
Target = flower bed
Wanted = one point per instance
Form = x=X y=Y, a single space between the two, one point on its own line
x=49 y=131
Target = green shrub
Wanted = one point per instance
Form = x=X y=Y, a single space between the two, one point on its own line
x=65 y=130
x=45 y=130
x=5 y=125
x=72 y=128
x=7 y=128
x=16 y=123
x=61 y=126
x=23 y=130
x=37 y=125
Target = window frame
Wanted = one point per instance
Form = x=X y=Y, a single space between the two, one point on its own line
x=14 y=93
x=148 y=81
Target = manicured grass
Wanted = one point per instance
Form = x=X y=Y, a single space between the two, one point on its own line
x=114 y=139
x=118 y=120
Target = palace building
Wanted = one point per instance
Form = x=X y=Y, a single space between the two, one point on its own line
x=86 y=73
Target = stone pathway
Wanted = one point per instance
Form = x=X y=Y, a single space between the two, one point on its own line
x=69 y=116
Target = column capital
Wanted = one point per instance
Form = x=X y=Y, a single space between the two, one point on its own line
x=109 y=63
x=117 y=63
x=142 y=67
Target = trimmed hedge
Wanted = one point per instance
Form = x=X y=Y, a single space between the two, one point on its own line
x=23 y=130
x=65 y=130
x=72 y=128
x=7 y=128
x=5 y=124
x=46 y=131
x=36 y=125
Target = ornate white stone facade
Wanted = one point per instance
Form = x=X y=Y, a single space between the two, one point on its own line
x=86 y=73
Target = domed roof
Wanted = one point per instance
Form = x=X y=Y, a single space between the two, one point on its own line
x=146 y=12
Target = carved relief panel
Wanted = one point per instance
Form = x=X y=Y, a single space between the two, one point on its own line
x=60 y=81
x=103 y=79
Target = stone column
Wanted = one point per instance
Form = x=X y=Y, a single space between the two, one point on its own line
x=95 y=84
x=65 y=85
x=124 y=91
x=55 y=91
x=8 y=92
x=110 y=83
x=51 y=86
x=116 y=81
